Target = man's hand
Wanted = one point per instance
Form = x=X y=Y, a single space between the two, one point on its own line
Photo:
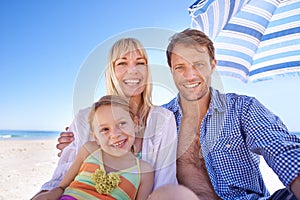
x=295 y=186
x=65 y=138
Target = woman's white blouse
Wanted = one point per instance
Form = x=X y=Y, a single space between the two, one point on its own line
x=159 y=146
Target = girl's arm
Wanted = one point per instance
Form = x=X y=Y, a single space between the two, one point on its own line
x=55 y=193
x=147 y=180
x=83 y=153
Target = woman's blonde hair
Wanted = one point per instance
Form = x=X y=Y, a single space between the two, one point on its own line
x=111 y=100
x=118 y=50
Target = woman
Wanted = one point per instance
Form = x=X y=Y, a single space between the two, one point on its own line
x=128 y=75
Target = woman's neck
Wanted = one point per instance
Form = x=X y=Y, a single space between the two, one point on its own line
x=136 y=103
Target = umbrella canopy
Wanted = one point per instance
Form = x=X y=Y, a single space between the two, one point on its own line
x=254 y=39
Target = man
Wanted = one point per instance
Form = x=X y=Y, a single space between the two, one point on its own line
x=222 y=135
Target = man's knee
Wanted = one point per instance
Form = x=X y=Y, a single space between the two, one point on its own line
x=174 y=192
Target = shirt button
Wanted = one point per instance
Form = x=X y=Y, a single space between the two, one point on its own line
x=227 y=145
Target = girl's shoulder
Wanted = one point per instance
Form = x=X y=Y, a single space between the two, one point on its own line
x=86 y=149
x=90 y=146
x=145 y=166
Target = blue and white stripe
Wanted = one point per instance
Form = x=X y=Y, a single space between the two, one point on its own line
x=258 y=39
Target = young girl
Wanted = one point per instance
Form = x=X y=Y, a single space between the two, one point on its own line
x=106 y=168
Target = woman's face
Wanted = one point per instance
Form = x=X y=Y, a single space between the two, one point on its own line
x=131 y=72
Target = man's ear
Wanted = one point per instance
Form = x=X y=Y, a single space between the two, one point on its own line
x=213 y=64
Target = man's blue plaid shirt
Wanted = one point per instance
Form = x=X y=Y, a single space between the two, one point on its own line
x=234 y=132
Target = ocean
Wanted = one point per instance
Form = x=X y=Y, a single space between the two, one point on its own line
x=27 y=134
x=35 y=135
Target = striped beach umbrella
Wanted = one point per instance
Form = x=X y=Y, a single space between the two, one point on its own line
x=254 y=39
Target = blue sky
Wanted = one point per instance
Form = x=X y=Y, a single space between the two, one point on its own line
x=45 y=44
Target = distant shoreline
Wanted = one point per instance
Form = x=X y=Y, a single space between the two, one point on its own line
x=43 y=134
x=27 y=134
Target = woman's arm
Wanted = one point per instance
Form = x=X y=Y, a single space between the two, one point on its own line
x=165 y=148
x=81 y=130
x=147 y=179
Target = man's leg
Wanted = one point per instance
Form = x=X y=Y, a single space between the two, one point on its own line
x=174 y=192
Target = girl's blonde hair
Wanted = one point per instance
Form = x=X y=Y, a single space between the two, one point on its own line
x=118 y=50
x=111 y=100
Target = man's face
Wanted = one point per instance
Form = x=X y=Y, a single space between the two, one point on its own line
x=191 y=70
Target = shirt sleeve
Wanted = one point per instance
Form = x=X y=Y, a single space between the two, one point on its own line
x=81 y=129
x=269 y=137
x=161 y=129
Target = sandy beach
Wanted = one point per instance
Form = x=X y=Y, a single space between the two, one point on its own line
x=27 y=164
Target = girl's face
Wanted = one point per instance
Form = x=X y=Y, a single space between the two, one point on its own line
x=131 y=72
x=114 y=130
